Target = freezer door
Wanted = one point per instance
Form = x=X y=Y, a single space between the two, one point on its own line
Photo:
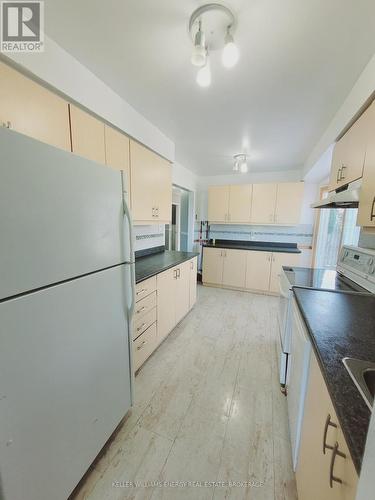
x=61 y=216
x=64 y=383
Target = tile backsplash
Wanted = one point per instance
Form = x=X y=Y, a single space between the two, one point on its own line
x=149 y=236
x=301 y=234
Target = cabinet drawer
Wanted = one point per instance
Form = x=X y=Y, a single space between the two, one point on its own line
x=144 y=322
x=145 y=288
x=144 y=346
x=144 y=306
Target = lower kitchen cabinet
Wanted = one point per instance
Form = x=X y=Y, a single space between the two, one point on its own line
x=245 y=269
x=321 y=436
x=144 y=346
x=193 y=281
x=176 y=295
x=234 y=263
x=258 y=269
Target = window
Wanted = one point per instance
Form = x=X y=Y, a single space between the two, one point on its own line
x=336 y=227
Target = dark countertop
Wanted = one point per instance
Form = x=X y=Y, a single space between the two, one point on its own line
x=262 y=246
x=151 y=265
x=342 y=324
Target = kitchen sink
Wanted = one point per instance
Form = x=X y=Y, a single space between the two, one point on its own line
x=363 y=375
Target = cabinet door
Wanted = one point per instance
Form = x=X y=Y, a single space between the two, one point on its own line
x=117 y=152
x=344 y=469
x=289 y=203
x=234 y=268
x=240 y=203
x=182 y=297
x=337 y=160
x=193 y=281
x=87 y=135
x=312 y=474
x=356 y=140
x=366 y=209
x=212 y=266
x=163 y=190
x=258 y=269
x=166 y=293
x=33 y=110
x=218 y=203
x=263 y=203
x=278 y=261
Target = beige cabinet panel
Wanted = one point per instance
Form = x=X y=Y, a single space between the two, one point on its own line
x=151 y=185
x=289 y=202
x=234 y=268
x=258 y=269
x=144 y=322
x=145 y=305
x=33 y=110
x=117 y=152
x=313 y=469
x=239 y=203
x=212 y=265
x=193 y=281
x=279 y=260
x=263 y=203
x=144 y=346
x=350 y=151
x=87 y=135
x=366 y=209
x=218 y=203
x=166 y=292
x=144 y=288
x=182 y=293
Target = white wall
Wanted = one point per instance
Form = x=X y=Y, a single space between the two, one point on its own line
x=63 y=72
x=357 y=98
x=249 y=178
x=184 y=178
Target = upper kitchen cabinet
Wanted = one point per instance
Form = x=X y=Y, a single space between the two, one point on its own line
x=218 y=203
x=30 y=109
x=117 y=152
x=230 y=203
x=264 y=203
x=151 y=186
x=87 y=135
x=366 y=208
x=350 y=151
x=289 y=202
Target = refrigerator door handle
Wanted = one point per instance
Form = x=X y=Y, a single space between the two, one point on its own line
x=130 y=310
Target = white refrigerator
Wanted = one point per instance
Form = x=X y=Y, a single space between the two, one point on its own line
x=66 y=301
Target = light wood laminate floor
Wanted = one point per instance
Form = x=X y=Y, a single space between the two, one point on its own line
x=208 y=409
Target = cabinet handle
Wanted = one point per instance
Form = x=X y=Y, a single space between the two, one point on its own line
x=191 y=265
x=141 y=291
x=6 y=124
x=326 y=425
x=141 y=345
x=338 y=176
x=342 y=176
x=175 y=274
x=335 y=452
x=157 y=212
x=372 y=215
x=141 y=309
x=140 y=327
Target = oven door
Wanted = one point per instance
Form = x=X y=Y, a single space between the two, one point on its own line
x=285 y=295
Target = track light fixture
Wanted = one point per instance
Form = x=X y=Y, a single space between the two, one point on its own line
x=211 y=27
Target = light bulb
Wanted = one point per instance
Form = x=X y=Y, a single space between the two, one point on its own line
x=198 y=56
x=204 y=75
x=230 y=52
x=243 y=167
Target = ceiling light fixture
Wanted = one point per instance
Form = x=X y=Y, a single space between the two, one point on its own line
x=230 y=54
x=240 y=163
x=211 y=28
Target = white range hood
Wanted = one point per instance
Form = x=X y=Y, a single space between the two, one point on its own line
x=344 y=197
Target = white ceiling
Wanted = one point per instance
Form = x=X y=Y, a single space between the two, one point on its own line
x=299 y=60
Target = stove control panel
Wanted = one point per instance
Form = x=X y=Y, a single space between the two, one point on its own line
x=359 y=265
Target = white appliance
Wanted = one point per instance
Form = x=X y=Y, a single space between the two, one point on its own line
x=66 y=302
x=355 y=273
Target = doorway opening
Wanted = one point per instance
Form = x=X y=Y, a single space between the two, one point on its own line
x=178 y=234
